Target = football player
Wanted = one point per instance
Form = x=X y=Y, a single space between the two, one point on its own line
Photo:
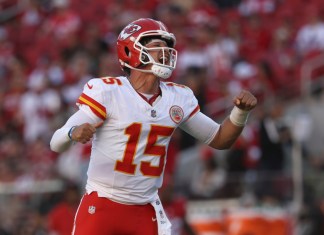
x=130 y=120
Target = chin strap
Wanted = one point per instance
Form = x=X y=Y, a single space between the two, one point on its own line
x=157 y=70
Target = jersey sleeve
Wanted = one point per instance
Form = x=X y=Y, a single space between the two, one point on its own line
x=201 y=127
x=92 y=99
x=191 y=105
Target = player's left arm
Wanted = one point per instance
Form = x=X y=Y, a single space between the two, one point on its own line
x=233 y=125
x=221 y=136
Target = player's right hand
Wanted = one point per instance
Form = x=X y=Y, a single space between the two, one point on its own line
x=84 y=132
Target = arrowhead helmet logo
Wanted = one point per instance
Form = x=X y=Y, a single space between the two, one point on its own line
x=129 y=30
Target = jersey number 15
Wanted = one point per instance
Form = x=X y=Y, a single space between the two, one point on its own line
x=126 y=165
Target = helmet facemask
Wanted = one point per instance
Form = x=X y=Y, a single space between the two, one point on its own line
x=167 y=60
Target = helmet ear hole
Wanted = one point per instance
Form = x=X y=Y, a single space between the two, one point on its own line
x=127 y=51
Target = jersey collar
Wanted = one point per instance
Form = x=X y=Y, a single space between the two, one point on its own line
x=153 y=98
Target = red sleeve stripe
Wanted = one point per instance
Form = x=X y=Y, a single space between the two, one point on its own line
x=196 y=110
x=96 y=107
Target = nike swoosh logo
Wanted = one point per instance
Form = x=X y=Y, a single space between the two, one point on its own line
x=90 y=86
x=153 y=219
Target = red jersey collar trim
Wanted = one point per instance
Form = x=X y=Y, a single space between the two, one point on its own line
x=153 y=98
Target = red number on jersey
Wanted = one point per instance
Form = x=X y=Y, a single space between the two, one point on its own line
x=175 y=84
x=127 y=166
x=112 y=81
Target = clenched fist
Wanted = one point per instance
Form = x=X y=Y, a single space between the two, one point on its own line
x=245 y=101
x=84 y=132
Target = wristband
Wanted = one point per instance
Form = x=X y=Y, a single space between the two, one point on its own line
x=238 y=116
x=70 y=132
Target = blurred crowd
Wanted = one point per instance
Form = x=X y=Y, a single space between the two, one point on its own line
x=50 y=48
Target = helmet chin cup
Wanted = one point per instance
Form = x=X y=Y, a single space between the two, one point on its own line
x=160 y=71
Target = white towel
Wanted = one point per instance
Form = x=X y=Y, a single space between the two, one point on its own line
x=164 y=225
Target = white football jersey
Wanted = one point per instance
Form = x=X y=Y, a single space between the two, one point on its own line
x=129 y=150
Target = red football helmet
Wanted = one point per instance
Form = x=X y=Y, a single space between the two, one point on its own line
x=132 y=53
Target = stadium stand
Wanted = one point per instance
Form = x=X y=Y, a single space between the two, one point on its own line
x=274 y=48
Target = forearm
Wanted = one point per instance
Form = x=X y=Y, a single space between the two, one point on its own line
x=230 y=129
x=60 y=140
x=227 y=135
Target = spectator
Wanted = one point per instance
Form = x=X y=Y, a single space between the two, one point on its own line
x=272 y=154
x=310 y=37
x=61 y=216
x=209 y=179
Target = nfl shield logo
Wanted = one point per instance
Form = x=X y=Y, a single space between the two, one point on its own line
x=153 y=113
x=92 y=210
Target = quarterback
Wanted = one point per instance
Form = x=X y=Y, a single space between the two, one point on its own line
x=130 y=120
